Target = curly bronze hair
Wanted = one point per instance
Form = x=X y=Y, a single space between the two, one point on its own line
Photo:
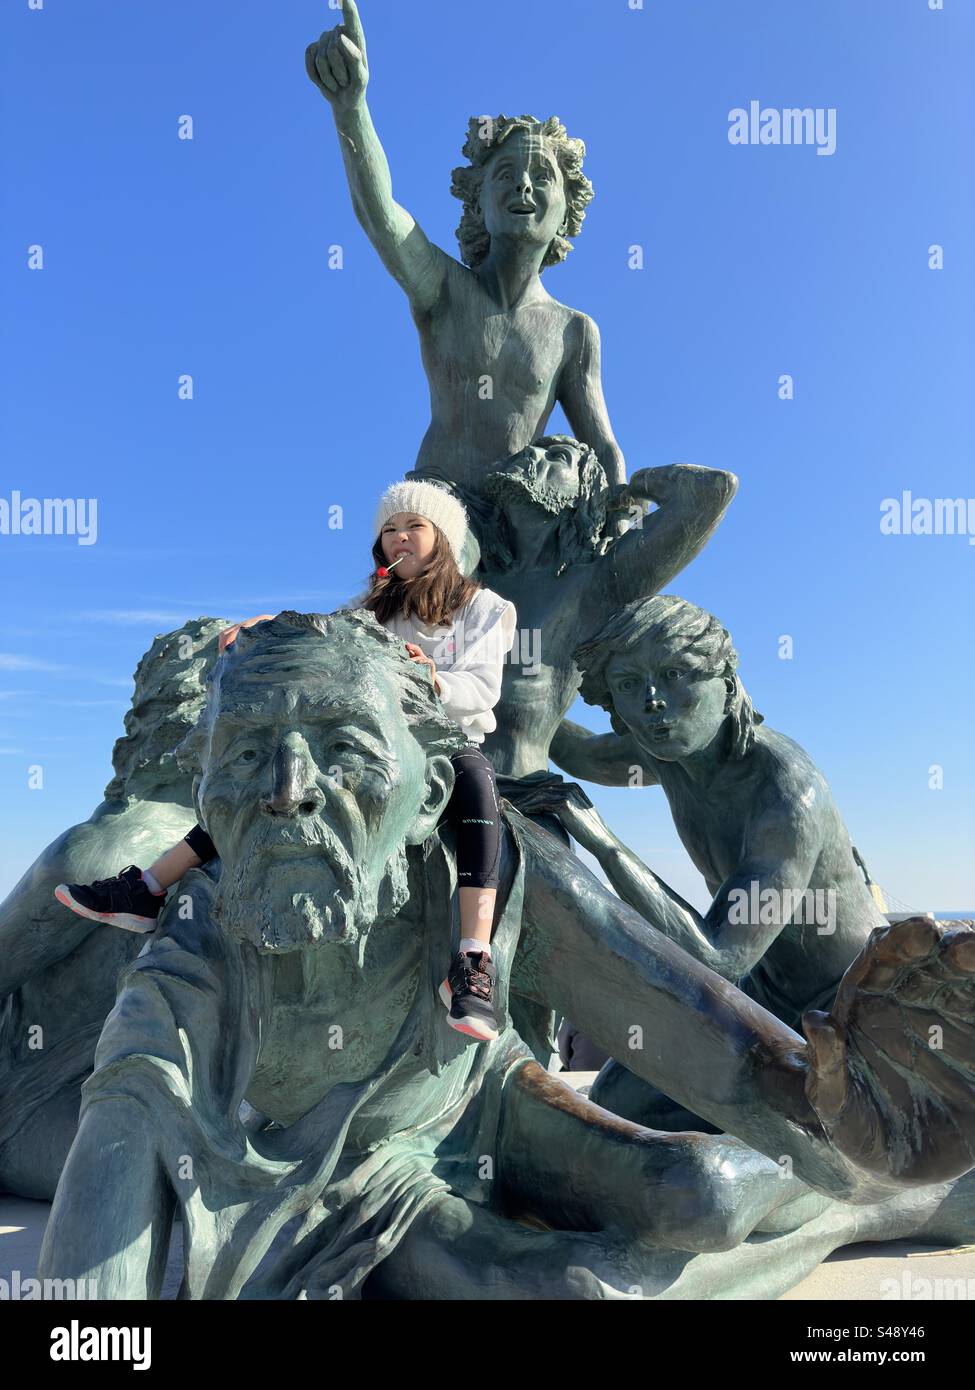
x=360 y=641
x=680 y=628
x=484 y=135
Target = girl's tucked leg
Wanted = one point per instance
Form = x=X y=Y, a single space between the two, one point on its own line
x=194 y=849
x=476 y=816
x=477 y=918
x=134 y=898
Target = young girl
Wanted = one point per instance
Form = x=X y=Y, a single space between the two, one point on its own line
x=462 y=633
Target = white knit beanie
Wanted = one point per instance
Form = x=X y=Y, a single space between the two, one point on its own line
x=429 y=500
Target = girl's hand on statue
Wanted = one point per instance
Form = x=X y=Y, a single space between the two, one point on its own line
x=229 y=634
x=417 y=654
x=337 y=62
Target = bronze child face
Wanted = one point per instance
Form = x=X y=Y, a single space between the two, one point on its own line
x=523 y=192
x=672 y=705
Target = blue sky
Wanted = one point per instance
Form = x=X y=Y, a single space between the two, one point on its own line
x=210 y=257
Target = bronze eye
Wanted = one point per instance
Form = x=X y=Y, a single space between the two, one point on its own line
x=344 y=748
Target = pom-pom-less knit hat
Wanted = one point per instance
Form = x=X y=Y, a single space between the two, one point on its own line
x=426 y=499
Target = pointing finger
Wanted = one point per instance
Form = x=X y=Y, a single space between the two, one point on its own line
x=352 y=24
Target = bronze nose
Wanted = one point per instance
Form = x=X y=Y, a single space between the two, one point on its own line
x=652 y=703
x=293 y=792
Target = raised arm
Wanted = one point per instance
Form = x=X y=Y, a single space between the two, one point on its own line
x=580 y=394
x=690 y=503
x=750 y=908
x=338 y=66
x=614 y=760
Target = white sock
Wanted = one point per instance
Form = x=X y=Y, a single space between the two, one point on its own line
x=152 y=883
x=471 y=943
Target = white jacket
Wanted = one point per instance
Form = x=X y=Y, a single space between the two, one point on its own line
x=469 y=654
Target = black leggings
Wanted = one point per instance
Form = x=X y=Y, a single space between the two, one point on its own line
x=201 y=844
x=473 y=811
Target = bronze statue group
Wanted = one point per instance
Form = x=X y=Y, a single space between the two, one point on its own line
x=362 y=865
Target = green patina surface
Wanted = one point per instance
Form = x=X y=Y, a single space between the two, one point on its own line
x=298 y=972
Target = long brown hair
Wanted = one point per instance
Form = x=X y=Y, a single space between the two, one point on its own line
x=432 y=597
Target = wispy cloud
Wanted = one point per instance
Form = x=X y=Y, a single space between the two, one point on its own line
x=89 y=704
x=71 y=738
x=36 y=698
x=10 y=752
x=178 y=611
x=11 y=662
x=133 y=617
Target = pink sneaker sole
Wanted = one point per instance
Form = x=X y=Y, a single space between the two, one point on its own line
x=472 y=1027
x=126 y=920
x=482 y=1032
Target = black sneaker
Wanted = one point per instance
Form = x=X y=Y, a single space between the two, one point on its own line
x=467 y=993
x=123 y=901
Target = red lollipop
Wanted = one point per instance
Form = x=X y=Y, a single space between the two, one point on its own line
x=382 y=571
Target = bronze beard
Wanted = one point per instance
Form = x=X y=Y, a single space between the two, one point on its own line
x=336 y=906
